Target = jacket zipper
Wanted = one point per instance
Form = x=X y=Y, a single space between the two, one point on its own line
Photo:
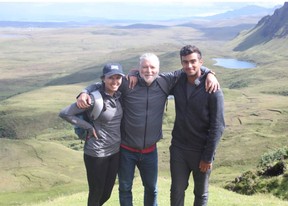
x=146 y=119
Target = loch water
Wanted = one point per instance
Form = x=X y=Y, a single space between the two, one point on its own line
x=233 y=63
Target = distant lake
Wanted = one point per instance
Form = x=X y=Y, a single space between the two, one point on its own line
x=233 y=63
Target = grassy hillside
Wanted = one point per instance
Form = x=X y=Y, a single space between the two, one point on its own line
x=45 y=173
x=33 y=170
x=218 y=197
x=36 y=56
x=43 y=70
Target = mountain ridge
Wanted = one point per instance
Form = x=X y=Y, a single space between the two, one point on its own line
x=267 y=29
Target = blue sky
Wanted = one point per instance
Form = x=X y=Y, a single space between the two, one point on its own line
x=120 y=9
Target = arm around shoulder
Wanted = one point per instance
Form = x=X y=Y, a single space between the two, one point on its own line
x=83 y=99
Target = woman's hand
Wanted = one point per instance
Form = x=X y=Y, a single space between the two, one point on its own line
x=92 y=133
x=132 y=81
x=83 y=101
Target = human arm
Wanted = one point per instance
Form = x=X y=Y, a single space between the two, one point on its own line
x=132 y=78
x=216 y=125
x=167 y=80
x=69 y=114
x=84 y=99
x=211 y=83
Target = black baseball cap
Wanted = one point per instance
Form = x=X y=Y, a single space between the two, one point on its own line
x=112 y=68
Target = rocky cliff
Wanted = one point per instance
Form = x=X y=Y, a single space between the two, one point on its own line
x=267 y=29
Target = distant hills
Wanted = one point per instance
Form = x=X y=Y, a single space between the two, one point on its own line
x=48 y=18
x=250 y=10
x=141 y=26
x=124 y=11
x=266 y=30
x=28 y=24
x=222 y=26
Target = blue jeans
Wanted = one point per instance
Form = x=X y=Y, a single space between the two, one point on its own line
x=182 y=164
x=148 y=167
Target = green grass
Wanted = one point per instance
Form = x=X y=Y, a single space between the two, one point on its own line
x=40 y=56
x=42 y=167
x=52 y=190
x=218 y=197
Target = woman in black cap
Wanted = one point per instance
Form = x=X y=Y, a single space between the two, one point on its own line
x=101 y=149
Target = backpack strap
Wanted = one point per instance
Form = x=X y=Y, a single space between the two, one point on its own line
x=97 y=102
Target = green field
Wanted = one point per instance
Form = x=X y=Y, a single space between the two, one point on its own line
x=44 y=69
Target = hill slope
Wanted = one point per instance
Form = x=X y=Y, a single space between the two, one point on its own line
x=267 y=29
x=38 y=166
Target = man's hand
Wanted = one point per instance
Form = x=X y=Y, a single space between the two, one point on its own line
x=205 y=166
x=83 y=101
x=211 y=84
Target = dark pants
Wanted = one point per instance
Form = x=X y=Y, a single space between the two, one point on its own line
x=182 y=164
x=101 y=175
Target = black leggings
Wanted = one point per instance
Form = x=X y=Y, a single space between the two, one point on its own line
x=101 y=175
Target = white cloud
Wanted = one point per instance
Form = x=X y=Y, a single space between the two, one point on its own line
x=133 y=9
x=188 y=2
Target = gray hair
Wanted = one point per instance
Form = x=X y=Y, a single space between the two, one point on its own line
x=149 y=57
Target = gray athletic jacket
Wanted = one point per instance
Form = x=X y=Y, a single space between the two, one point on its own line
x=143 y=108
x=107 y=126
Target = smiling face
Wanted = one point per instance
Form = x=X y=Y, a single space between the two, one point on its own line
x=112 y=83
x=149 y=69
x=191 y=64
